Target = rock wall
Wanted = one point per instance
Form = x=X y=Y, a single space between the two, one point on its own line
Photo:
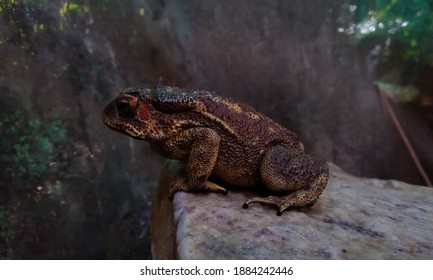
x=61 y=62
x=288 y=60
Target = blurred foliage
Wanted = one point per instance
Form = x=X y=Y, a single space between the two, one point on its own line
x=29 y=145
x=397 y=92
x=59 y=182
x=24 y=223
x=80 y=9
x=404 y=22
x=398 y=36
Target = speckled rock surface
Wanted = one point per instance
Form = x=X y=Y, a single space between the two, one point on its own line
x=355 y=218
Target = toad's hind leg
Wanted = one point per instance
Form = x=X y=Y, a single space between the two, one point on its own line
x=297 y=178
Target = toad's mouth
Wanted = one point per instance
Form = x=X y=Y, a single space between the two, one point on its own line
x=111 y=118
x=124 y=128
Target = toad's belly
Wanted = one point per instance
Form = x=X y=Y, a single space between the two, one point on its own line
x=238 y=173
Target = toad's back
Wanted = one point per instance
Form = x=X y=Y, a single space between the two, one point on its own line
x=245 y=136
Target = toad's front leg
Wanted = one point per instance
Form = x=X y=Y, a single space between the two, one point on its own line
x=198 y=147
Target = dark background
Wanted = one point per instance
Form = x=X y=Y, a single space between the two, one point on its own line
x=71 y=188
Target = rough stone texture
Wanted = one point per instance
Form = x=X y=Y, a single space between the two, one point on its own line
x=355 y=218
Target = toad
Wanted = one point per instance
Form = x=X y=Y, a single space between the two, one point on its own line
x=217 y=136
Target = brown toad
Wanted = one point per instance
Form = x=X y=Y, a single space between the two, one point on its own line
x=220 y=137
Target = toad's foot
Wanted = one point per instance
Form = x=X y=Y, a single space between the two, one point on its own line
x=181 y=185
x=293 y=200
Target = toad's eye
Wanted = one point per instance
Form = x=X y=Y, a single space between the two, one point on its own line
x=124 y=109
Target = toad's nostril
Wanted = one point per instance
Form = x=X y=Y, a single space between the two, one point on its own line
x=124 y=109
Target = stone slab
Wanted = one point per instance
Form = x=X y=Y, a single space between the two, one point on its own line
x=355 y=218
